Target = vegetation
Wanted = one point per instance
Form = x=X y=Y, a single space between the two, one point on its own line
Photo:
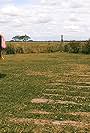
x=48 y=47
x=22 y=38
x=31 y=47
x=45 y=93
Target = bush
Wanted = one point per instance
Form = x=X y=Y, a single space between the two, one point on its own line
x=66 y=48
x=86 y=47
x=19 y=50
x=10 y=49
x=72 y=47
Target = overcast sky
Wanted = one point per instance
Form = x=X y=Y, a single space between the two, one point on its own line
x=45 y=19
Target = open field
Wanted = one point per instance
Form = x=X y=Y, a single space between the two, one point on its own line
x=45 y=93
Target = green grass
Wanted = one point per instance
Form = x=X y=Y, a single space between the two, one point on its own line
x=55 y=76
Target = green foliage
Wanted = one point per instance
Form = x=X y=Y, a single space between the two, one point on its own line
x=72 y=47
x=77 y=47
x=10 y=49
x=15 y=38
x=86 y=47
x=19 y=50
x=23 y=38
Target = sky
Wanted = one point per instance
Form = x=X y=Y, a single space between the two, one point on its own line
x=45 y=19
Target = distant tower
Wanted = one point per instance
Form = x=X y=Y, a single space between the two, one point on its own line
x=61 y=38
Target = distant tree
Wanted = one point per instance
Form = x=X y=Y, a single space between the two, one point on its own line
x=23 y=38
x=16 y=38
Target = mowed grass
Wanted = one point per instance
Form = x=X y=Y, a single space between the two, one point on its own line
x=45 y=93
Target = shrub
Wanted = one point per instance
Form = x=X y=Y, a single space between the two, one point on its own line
x=10 y=49
x=19 y=50
x=86 y=47
x=66 y=48
x=72 y=47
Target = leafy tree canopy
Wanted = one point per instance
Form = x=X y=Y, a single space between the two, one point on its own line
x=22 y=38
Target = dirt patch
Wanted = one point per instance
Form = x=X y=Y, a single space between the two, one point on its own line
x=71 y=123
x=29 y=121
x=45 y=94
x=49 y=101
x=87 y=114
x=65 y=102
x=80 y=113
x=40 y=100
x=55 y=90
x=40 y=112
x=47 y=121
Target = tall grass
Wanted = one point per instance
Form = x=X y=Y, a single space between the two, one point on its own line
x=47 y=47
x=32 y=47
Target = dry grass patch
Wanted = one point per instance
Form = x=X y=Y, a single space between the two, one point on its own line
x=40 y=112
x=73 y=74
x=80 y=70
x=72 y=123
x=39 y=73
x=80 y=67
x=62 y=90
x=27 y=121
x=80 y=113
x=49 y=101
x=74 y=97
x=65 y=102
x=68 y=83
x=41 y=100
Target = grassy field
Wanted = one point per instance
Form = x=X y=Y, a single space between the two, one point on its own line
x=45 y=93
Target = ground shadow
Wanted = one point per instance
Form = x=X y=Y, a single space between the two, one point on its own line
x=2 y=75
